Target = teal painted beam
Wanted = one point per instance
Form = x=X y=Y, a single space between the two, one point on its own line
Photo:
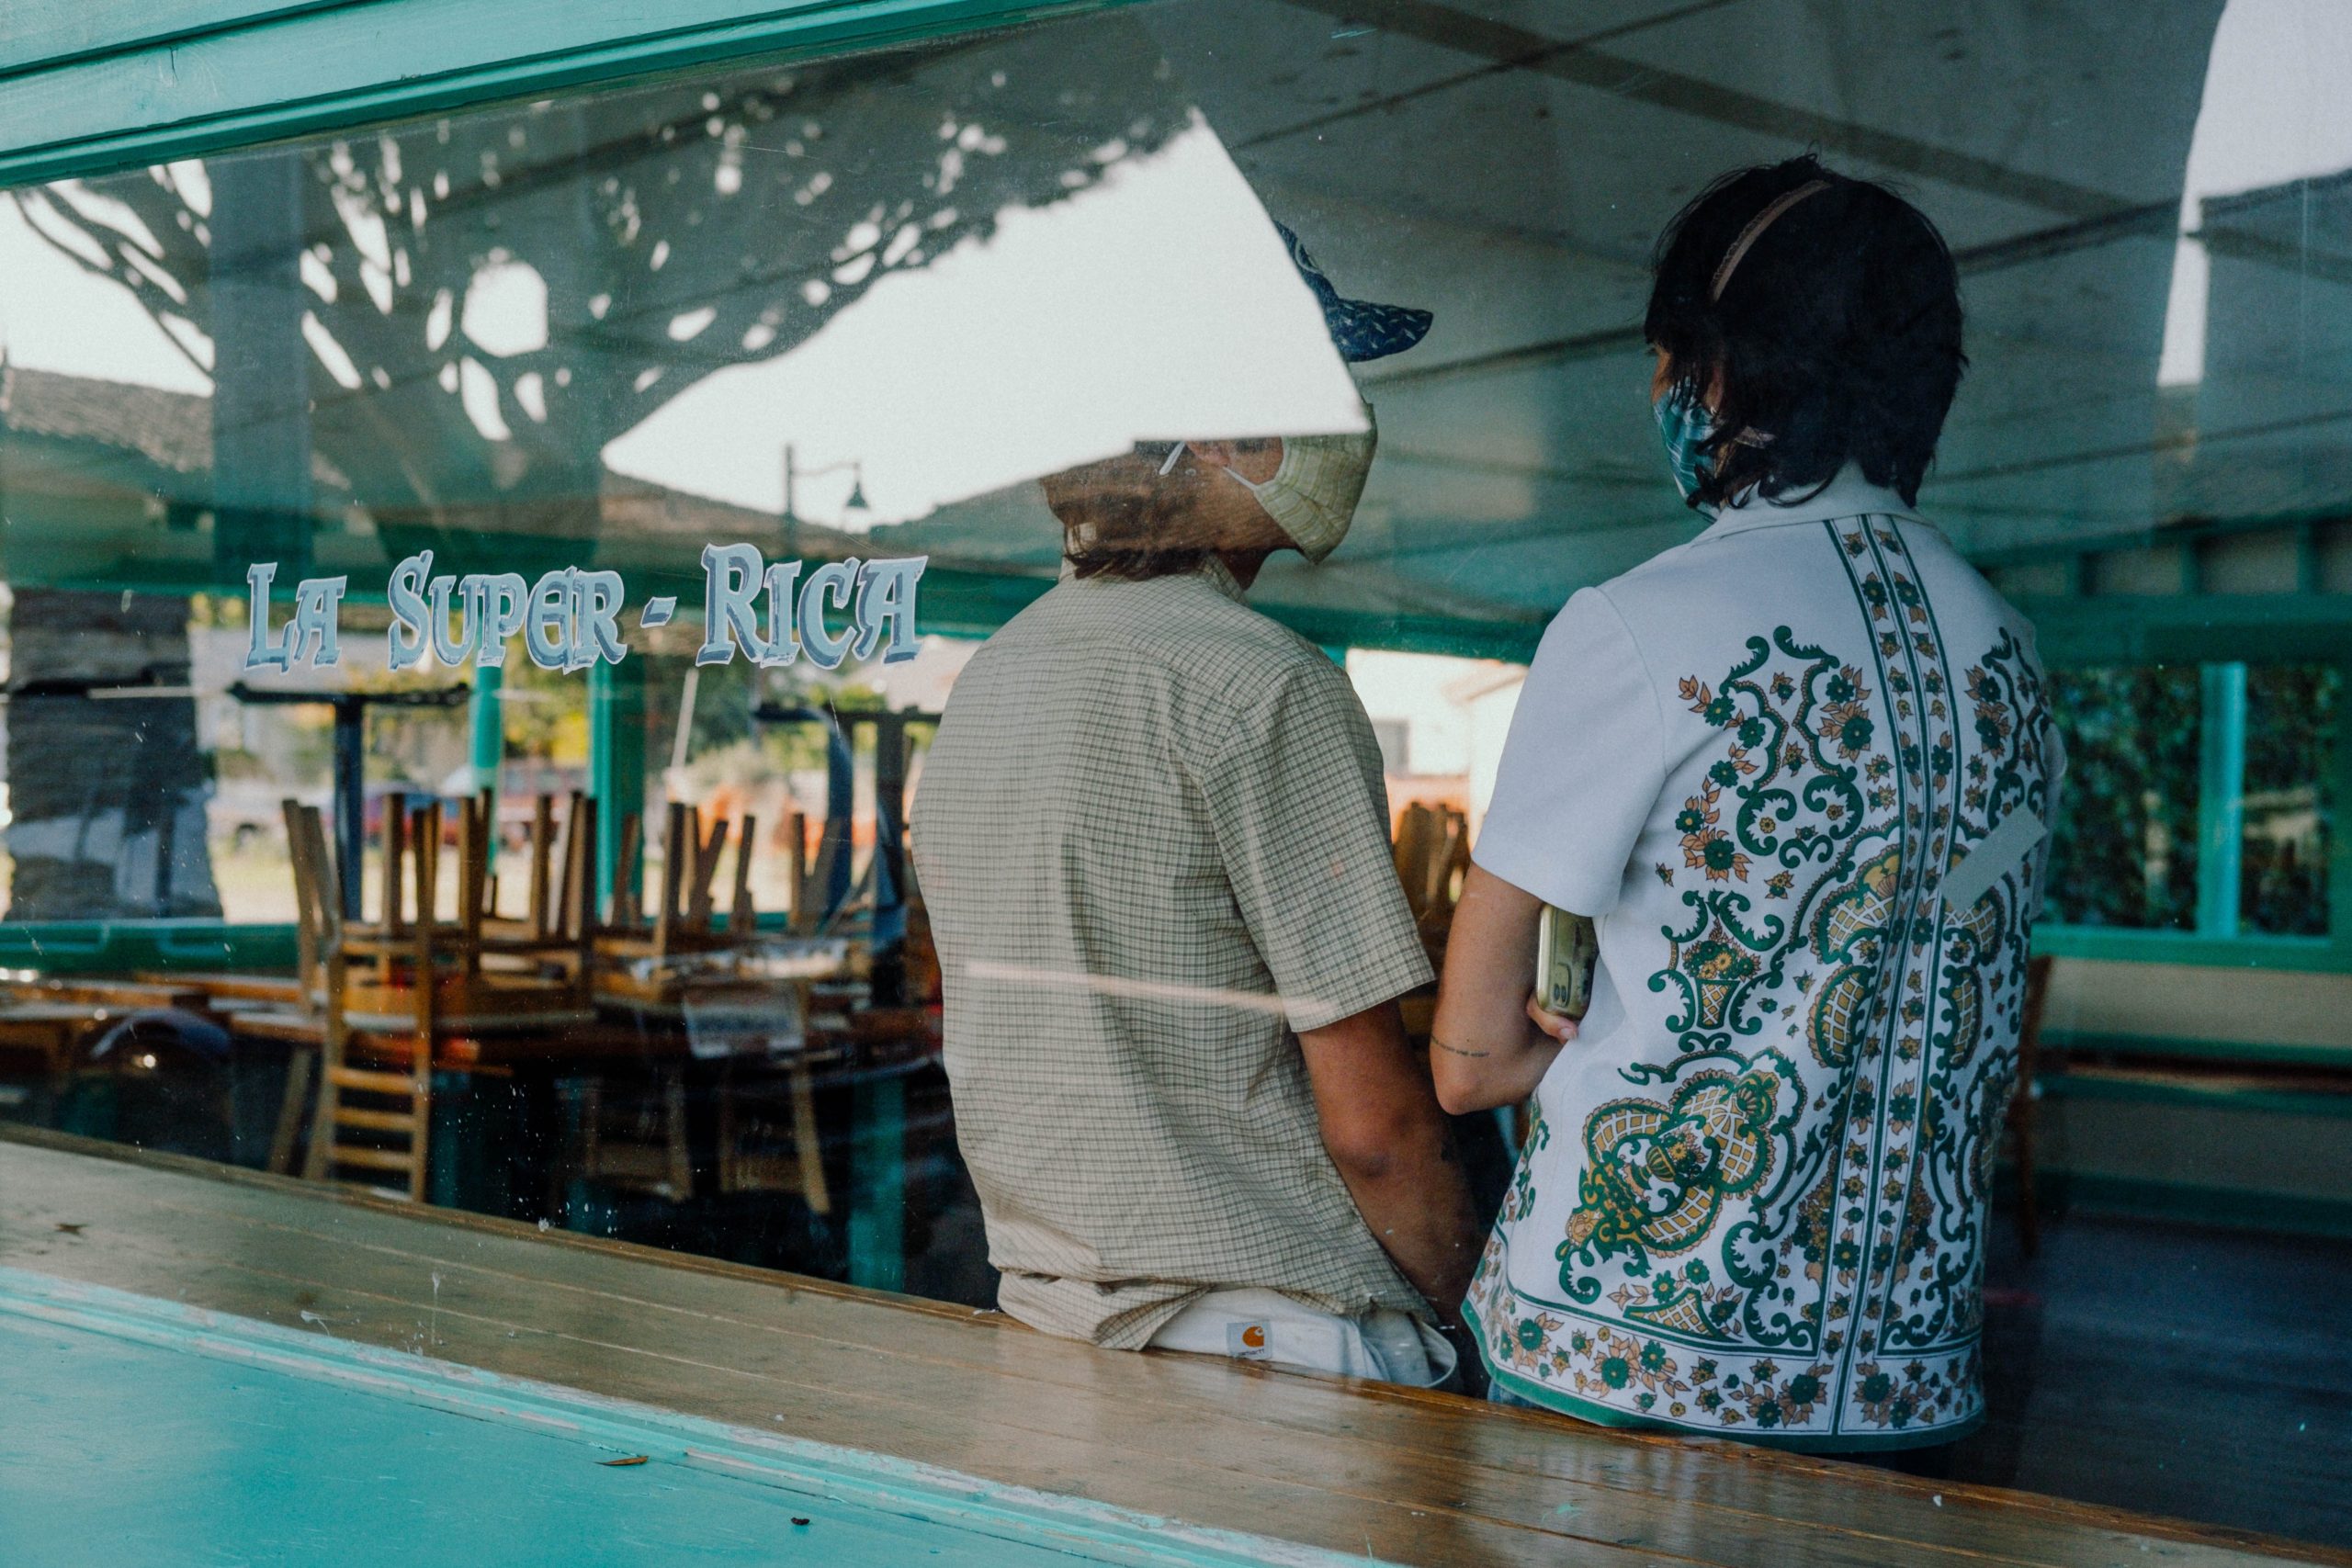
x=2228 y=1053
x=2225 y=1098
x=487 y=712
x=80 y=947
x=311 y=70
x=2190 y=629
x=44 y=33
x=616 y=762
x=877 y=1199
x=2334 y=795
x=2221 y=799
x=2246 y=951
x=2290 y=1213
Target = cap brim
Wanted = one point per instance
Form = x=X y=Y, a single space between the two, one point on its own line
x=1362 y=329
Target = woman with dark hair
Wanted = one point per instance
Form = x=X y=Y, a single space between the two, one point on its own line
x=1796 y=772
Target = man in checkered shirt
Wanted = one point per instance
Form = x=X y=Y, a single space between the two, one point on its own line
x=1152 y=834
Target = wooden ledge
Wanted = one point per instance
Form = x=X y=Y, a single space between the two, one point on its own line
x=1397 y=1474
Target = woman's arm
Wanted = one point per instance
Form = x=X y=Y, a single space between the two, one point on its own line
x=1491 y=1045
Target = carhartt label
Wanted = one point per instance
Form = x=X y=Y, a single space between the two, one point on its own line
x=1248 y=1341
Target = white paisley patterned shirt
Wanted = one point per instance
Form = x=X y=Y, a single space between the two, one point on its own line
x=1753 y=1198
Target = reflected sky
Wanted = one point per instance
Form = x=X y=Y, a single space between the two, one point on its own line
x=1157 y=305
x=2274 y=111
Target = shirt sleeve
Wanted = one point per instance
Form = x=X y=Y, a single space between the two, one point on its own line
x=1582 y=766
x=1301 y=817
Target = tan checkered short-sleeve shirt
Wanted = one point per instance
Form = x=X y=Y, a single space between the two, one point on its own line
x=1152 y=834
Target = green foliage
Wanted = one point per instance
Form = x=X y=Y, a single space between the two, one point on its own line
x=2125 y=849
x=2290 y=744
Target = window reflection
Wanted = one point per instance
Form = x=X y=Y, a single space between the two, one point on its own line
x=862 y=307
x=2292 y=739
x=2127 y=846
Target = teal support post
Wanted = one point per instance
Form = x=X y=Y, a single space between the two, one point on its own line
x=617 y=760
x=877 y=1183
x=2221 y=799
x=2336 y=796
x=488 y=732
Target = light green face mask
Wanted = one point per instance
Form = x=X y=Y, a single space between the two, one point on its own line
x=1312 y=494
x=1312 y=497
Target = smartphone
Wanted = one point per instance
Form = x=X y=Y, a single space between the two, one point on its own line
x=1566 y=948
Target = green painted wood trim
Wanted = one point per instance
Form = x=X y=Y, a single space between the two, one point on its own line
x=877 y=1199
x=2191 y=628
x=2221 y=798
x=2116 y=945
x=352 y=64
x=1089 y=1531
x=2215 y=1097
x=2335 y=798
x=2294 y=1213
x=51 y=32
x=2232 y=1053
x=616 y=762
x=486 y=715
x=82 y=947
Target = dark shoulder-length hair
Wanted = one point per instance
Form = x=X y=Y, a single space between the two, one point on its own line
x=1835 y=339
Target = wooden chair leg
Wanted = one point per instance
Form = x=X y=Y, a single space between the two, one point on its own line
x=541 y=915
x=796 y=873
x=2025 y=1104
x=678 y=850
x=301 y=1071
x=813 y=1190
x=742 y=916
x=674 y=1118
x=727 y=1172
x=591 y=1127
x=626 y=914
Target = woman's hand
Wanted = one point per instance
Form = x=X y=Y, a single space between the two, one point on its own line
x=1558 y=1027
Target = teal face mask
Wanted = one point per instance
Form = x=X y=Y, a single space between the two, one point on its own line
x=1688 y=427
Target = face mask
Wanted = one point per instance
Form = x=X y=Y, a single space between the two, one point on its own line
x=1688 y=428
x=1312 y=497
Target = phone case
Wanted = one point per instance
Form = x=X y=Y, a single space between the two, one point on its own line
x=1566 y=948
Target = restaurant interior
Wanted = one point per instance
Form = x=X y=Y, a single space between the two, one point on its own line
x=637 y=951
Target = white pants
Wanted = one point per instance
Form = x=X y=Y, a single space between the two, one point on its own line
x=1257 y=1325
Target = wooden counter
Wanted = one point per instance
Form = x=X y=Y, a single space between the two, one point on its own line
x=1391 y=1475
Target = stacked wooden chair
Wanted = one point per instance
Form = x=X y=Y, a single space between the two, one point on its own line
x=1432 y=856
x=680 y=967
x=386 y=990
x=656 y=962
x=373 y=1111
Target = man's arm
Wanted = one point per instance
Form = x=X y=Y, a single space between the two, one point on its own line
x=1395 y=1149
x=1490 y=1045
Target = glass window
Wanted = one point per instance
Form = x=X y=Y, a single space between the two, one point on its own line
x=2291 y=743
x=2126 y=845
x=513 y=500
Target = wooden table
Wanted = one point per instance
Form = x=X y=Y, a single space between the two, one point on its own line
x=536 y=1058
x=1360 y=1470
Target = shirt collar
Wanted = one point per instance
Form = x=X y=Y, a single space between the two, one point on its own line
x=1213 y=570
x=1848 y=495
x=1220 y=577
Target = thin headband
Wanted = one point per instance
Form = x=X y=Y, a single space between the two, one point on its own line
x=1755 y=229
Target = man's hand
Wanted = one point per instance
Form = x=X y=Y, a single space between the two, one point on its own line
x=1395 y=1150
